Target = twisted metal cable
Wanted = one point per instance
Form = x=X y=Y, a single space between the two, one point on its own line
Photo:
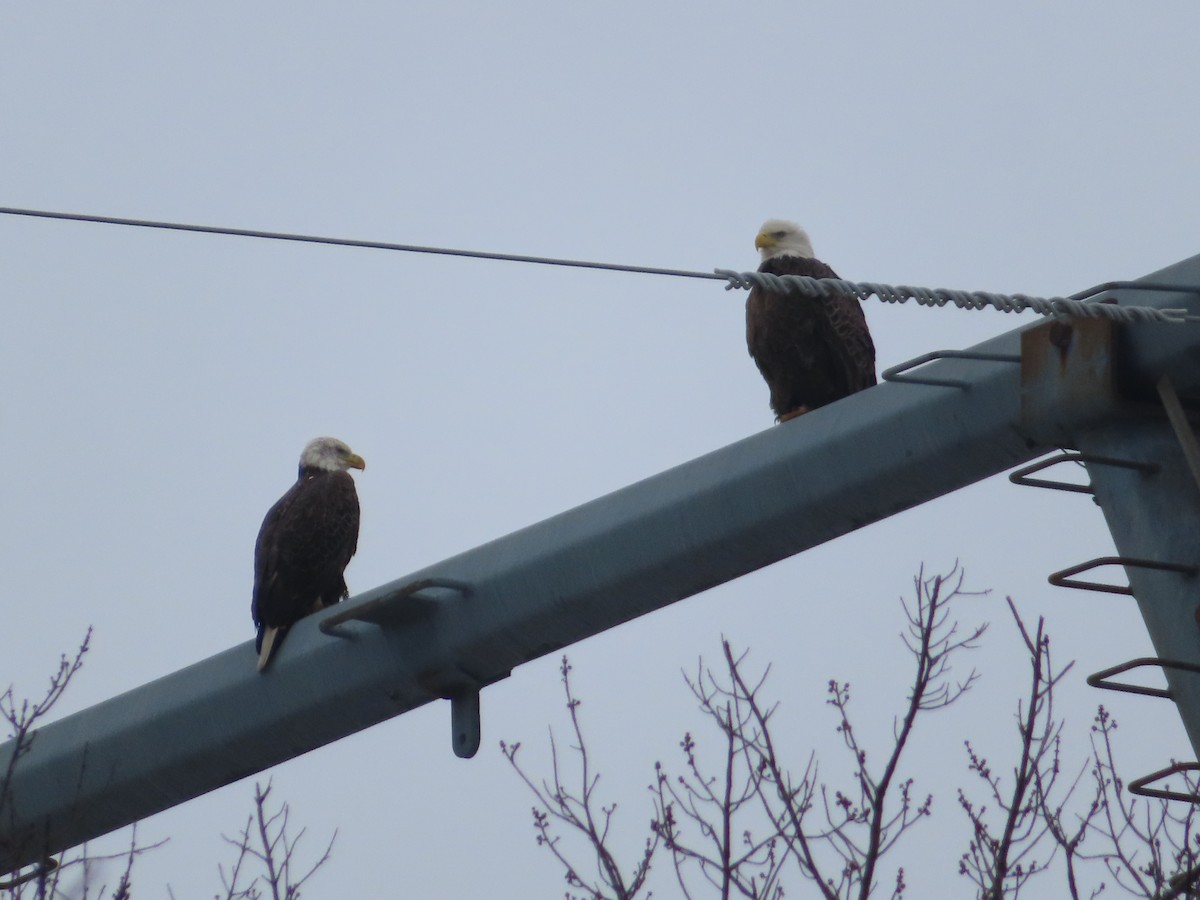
x=1009 y=303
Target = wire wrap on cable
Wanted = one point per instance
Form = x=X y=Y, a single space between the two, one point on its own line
x=889 y=293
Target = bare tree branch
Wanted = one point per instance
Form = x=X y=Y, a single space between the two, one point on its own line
x=1149 y=846
x=265 y=839
x=581 y=814
x=1000 y=859
x=840 y=856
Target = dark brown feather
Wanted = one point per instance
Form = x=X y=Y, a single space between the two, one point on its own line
x=811 y=351
x=306 y=540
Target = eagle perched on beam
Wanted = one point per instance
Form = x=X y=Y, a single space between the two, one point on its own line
x=305 y=543
x=811 y=351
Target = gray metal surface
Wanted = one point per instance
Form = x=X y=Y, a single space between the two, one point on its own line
x=1156 y=516
x=537 y=590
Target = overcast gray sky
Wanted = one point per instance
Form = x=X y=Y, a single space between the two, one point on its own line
x=158 y=387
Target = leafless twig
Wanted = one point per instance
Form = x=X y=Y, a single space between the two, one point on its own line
x=265 y=838
x=841 y=853
x=581 y=813
x=1000 y=856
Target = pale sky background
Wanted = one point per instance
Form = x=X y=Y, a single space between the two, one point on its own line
x=158 y=387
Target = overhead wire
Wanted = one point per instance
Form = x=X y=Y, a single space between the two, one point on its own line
x=812 y=287
x=350 y=242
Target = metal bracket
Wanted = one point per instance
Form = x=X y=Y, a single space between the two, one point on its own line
x=895 y=373
x=389 y=610
x=459 y=687
x=1138 y=785
x=1063 y=577
x=1101 y=679
x=1020 y=476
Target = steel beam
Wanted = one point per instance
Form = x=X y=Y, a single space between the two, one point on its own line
x=1155 y=517
x=463 y=623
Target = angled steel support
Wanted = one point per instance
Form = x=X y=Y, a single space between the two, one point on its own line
x=1157 y=517
x=467 y=621
x=1103 y=391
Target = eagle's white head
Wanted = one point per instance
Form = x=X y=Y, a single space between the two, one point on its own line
x=329 y=455
x=779 y=237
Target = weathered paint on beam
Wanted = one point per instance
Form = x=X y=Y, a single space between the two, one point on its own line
x=1155 y=516
x=535 y=591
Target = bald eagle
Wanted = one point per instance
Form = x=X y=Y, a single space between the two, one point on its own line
x=305 y=543
x=810 y=351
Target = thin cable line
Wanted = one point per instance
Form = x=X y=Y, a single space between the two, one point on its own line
x=744 y=280
x=348 y=242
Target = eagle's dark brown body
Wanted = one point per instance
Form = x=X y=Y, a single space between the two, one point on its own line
x=303 y=547
x=811 y=351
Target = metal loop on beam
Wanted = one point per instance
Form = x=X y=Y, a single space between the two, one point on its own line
x=1153 y=286
x=1021 y=475
x=1138 y=785
x=895 y=373
x=1063 y=578
x=1101 y=679
x=384 y=610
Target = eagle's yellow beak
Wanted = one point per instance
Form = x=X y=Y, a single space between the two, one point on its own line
x=354 y=461
x=764 y=241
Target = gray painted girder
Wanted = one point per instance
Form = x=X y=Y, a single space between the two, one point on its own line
x=1156 y=516
x=537 y=590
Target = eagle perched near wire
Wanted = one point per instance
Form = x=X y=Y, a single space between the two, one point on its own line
x=305 y=543
x=810 y=350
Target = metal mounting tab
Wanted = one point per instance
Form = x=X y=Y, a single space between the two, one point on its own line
x=462 y=689
x=465 y=726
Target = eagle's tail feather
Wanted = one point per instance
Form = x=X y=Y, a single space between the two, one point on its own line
x=268 y=642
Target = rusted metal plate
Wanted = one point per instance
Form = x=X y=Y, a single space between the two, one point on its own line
x=1068 y=377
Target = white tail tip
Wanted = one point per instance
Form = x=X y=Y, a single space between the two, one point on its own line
x=268 y=643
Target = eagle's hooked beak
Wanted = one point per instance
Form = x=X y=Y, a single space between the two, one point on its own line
x=354 y=461
x=763 y=241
